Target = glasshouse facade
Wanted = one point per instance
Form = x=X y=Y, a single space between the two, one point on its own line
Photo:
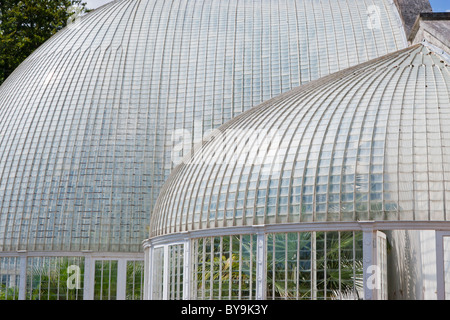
x=254 y=140
x=293 y=198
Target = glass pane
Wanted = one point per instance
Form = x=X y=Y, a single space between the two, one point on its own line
x=135 y=280
x=176 y=255
x=55 y=278
x=105 y=281
x=314 y=265
x=9 y=278
x=225 y=267
x=447 y=267
x=158 y=274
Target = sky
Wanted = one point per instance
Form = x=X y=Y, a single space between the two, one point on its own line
x=92 y=4
x=440 y=5
x=437 y=5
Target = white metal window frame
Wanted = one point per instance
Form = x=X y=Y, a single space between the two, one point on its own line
x=371 y=254
x=89 y=267
x=148 y=294
x=440 y=269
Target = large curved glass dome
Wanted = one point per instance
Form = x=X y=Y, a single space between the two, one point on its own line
x=301 y=196
x=367 y=143
x=93 y=122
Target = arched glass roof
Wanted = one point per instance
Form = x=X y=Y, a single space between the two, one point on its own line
x=367 y=143
x=91 y=123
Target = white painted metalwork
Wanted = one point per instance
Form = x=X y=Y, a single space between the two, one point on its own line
x=261 y=267
x=442 y=269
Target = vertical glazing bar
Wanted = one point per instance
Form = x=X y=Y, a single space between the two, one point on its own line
x=241 y=262
x=23 y=277
x=187 y=272
x=180 y=269
x=261 y=266
x=354 y=262
x=173 y=259
x=148 y=266
x=368 y=262
x=121 y=279
x=230 y=269
x=325 y=264
x=220 y=280
x=286 y=266
x=203 y=262
x=108 y=283
x=297 y=269
x=166 y=274
x=440 y=265
x=252 y=266
x=194 y=258
x=313 y=266
x=89 y=278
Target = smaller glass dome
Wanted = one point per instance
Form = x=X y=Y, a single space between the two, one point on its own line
x=367 y=143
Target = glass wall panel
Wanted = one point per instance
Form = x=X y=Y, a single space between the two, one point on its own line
x=158 y=273
x=135 y=280
x=314 y=265
x=176 y=268
x=9 y=278
x=55 y=278
x=105 y=281
x=224 y=267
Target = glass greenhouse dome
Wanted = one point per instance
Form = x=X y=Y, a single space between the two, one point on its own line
x=94 y=121
x=308 y=195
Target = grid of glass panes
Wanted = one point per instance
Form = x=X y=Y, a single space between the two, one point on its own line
x=314 y=265
x=55 y=278
x=176 y=272
x=9 y=278
x=105 y=280
x=224 y=267
x=135 y=280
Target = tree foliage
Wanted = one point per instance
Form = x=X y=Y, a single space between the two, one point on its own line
x=26 y=24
